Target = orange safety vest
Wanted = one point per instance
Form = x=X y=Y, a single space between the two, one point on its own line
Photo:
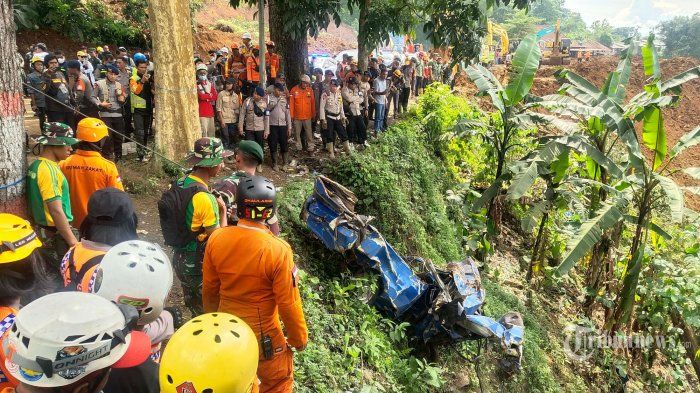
x=273 y=61
x=79 y=267
x=252 y=69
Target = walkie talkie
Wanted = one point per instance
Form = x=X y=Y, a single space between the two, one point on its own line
x=265 y=341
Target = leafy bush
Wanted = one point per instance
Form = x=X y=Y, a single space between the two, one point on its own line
x=439 y=111
x=398 y=181
x=90 y=21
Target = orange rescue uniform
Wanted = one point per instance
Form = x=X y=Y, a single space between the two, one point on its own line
x=250 y=273
x=87 y=172
x=302 y=105
x=273 y=62
x=252 y=69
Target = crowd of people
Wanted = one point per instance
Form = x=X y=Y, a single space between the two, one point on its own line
x=336 y=107
x=84 y=299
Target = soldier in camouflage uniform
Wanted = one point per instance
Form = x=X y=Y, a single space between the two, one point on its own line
x=204 y=214
x=48 y=193
x=248 y=156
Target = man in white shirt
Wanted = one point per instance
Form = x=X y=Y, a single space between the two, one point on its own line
x=379 y=92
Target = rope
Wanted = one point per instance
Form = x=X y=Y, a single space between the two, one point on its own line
x=6 y=186
x=109 y=128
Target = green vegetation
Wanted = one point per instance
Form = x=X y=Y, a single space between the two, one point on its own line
x=91 y=20
x=407 y=195
x=679 y=36
x=417 y=182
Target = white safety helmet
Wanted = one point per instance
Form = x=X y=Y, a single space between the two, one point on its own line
x=224 y=50
x=136 y=273
x=63 y=337
x=246 y=36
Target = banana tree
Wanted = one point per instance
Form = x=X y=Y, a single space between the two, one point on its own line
x=645 y=187
x=550 y=163
x=509 y=120
x=599 y=114
x=655 y=189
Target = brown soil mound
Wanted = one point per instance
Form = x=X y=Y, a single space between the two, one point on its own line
x=679 y=120
x=333 y=40
x=52 y=39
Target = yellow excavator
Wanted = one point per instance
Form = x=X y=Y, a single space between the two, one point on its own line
x=557 y=52
x=488 y=46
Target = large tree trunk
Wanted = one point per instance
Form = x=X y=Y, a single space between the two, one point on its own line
x=176 y=118
x=362 y=49
x=13 y=161
x=293 y=51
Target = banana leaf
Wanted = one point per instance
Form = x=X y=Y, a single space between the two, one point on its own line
x=680 y=79
x=523 y=178
x=529 y=119
x=579 y=143
x=690 y=139
x=616 y=84
x=590 y=233
x=487 y=84
x=651 y=59
x=532 y=217
x=693 y=172
x=525 y=62
x=674 y=197
x=654 y=134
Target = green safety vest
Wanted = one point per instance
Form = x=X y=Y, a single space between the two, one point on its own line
x=136 y=101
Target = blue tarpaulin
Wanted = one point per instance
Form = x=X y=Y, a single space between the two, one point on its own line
x=441 y=305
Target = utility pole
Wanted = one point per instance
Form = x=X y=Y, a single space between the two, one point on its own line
x=261 y=39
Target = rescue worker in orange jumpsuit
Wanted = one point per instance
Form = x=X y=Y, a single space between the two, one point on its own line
x=272 y=62
x=249 y=272
x=87 y=170
x=252 y=71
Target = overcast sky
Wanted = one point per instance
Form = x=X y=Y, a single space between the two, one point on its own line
x=642 y=13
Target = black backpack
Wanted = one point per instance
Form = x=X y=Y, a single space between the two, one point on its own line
x=172 y=210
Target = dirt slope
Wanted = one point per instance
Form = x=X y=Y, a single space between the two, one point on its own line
x=218 y=14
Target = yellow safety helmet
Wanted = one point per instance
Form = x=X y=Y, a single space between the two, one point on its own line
x=17 y=238
x=35 y=59
x=99 y=49
x=215 y=352
x=91 y=129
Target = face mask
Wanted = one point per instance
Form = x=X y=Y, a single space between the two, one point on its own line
x=202 y=78
x=61 y=60
x=213 y=59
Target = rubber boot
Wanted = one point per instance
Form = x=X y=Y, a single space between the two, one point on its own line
x=347 y=147
x=285 y=158
x=329 y=147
